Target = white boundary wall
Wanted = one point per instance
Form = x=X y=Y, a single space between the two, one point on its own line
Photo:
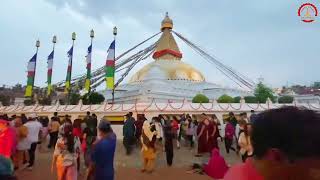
x=149 y=109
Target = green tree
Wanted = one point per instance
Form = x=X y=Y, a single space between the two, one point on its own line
x=62 y=101
x=45 y=101
x=316 y=85
x=5 y=100
x=28 y=102
x=262 y=93
x=285 y=99
x=200 y=98
x=74 y=98
x=225 y=99
x=250 y=99
x=93 y=98
x=237 y=99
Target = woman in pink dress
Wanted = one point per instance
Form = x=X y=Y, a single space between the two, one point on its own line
x=217 y=166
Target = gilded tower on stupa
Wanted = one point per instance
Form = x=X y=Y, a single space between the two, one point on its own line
x=167 y=48
x=167 y=58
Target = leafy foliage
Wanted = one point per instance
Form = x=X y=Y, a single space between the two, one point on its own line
x=200 y=98
x=316 y=85
x=62 y=101
x=28 y=102
x=93 y=98
x=5 y=100
x=237 y=99
x=225 y=99
x=285 y=99
x=262 y=93
x=74 y=98
x=45 y=101
x=250 y=99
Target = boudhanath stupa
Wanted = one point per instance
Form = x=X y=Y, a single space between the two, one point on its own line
x=168 y=77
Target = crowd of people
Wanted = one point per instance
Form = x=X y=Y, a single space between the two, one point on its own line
x=21 y=136
x=281 y=143
x=166 y=133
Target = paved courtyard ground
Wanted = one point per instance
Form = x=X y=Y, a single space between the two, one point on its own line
x=128 y=167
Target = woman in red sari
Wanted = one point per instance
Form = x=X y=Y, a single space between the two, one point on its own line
x=202 y=134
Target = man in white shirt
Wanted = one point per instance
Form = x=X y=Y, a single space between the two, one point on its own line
x=34 y=130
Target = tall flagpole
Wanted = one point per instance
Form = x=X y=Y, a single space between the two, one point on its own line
x=91 y=36
x=35 y=64
x=54 y=41
x=114 y=58
x=73 y=39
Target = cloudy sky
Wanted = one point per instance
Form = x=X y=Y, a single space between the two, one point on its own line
x=262 y=38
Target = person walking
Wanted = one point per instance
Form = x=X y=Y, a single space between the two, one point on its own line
x=159 y=128
x=242 y=127
x=53 y=129
x=102 y=154
x=138 y=124
x=128 y=133
x=34 y=132
x=232 y=119
x=66 y=121
x=65 y=155
x=56 y=117
x=89 y=137
x=182 y=128
x=229 y=135
x=217 y=122
x=22 y=142
x=168 y=143
x=148 y=139
x=24 y=118
x=77 y=132
x=88 y=117
x=253 y=116
x=44 y=133
x=245 y=142
x=190 y=131
x=7 y=139
x=175 y=130
x=212 y=135
x=202 y=136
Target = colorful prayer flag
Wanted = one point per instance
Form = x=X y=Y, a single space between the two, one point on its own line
x=49 y=73
x=88 y=59
x=69 y=71
x=31 y=74
x=110 y=68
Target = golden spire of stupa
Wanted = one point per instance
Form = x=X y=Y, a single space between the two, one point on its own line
x=167 y=48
